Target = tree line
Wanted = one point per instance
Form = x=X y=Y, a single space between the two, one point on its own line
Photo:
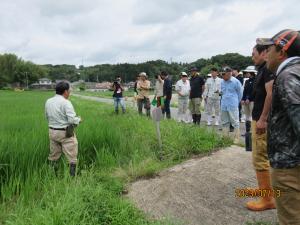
x=14 y=70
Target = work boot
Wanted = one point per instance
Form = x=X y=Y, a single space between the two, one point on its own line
x=248 y=126
x=266 y=199
x=72 y=169
x=194 y=118
x=198 y=119
x=168 y=115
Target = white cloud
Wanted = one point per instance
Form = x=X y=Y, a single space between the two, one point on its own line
x=104 y=31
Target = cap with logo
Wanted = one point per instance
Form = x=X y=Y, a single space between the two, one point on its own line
x=288 y=40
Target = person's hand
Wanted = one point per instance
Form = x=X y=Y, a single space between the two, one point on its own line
x=247 y=101
x=261 y=126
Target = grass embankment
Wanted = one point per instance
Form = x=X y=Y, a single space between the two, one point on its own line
x=104 y=94
x=113 y=150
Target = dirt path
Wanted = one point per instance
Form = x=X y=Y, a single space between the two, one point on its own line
x=202 y=191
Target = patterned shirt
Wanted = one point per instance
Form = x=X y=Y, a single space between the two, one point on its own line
x=212 y=88
x=284 y=118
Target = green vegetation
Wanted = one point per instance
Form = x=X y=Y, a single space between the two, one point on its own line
x=107 y=94
x=113 y=150
x=104 y=94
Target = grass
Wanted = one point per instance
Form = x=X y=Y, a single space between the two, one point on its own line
x=113 y=150
x=106 y=94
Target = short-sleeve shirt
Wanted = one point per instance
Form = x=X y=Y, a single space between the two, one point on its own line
x=259 y=91
x=196 y=84
x=118 y=93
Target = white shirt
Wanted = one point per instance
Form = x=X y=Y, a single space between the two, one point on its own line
x=211 y=86
x=159 y=88
x=284 y=63
x=183 y=88
x=60 y=112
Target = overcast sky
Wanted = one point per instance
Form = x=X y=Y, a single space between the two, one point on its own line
x=118 y=31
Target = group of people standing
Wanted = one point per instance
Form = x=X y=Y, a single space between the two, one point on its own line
x=276 y=124
x=272 y=93
x=189 y=94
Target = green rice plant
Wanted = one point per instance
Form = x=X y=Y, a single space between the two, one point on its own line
x=113 y=149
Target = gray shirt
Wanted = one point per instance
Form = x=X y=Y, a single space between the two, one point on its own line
x=60 y=112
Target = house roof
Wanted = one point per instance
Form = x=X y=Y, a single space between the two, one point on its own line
x=44 y=79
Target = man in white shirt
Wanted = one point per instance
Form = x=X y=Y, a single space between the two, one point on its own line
x=212 y=96
x=61 y=121
x=183 y=90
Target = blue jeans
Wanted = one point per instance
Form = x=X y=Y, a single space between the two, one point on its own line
x=117 y=101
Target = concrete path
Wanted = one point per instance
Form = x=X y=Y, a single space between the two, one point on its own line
x=202 y=191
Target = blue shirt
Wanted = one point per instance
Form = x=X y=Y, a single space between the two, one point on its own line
x=231 y=94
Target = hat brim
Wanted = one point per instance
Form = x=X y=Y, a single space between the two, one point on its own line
x=249 y=71
x=264 y=41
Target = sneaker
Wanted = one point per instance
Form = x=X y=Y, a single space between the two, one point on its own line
x=217 y=123
x=208 y=123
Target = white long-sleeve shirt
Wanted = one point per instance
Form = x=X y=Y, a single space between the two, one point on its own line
x=183 y=88
x=211 y=86
x=60 y=112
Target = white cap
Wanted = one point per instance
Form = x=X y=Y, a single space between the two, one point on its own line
x=183 y=74
x=143 y=74
x=250 y=69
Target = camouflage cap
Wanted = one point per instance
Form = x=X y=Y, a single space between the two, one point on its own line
x=288 y=40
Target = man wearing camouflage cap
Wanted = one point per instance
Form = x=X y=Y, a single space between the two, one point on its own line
x=283 y=58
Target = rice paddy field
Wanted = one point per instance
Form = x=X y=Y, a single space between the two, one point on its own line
x=113 y=151
x=108 y=94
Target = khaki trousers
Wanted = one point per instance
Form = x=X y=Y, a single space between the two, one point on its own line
x=287 y=181
x=59 y=143
x=260 y=158
x=194 y=105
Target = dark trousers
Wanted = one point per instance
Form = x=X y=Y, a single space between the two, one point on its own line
x=240 y=111
x=166 y=108
x=145 y=102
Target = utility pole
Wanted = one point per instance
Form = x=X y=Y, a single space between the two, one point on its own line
x=26 y=75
